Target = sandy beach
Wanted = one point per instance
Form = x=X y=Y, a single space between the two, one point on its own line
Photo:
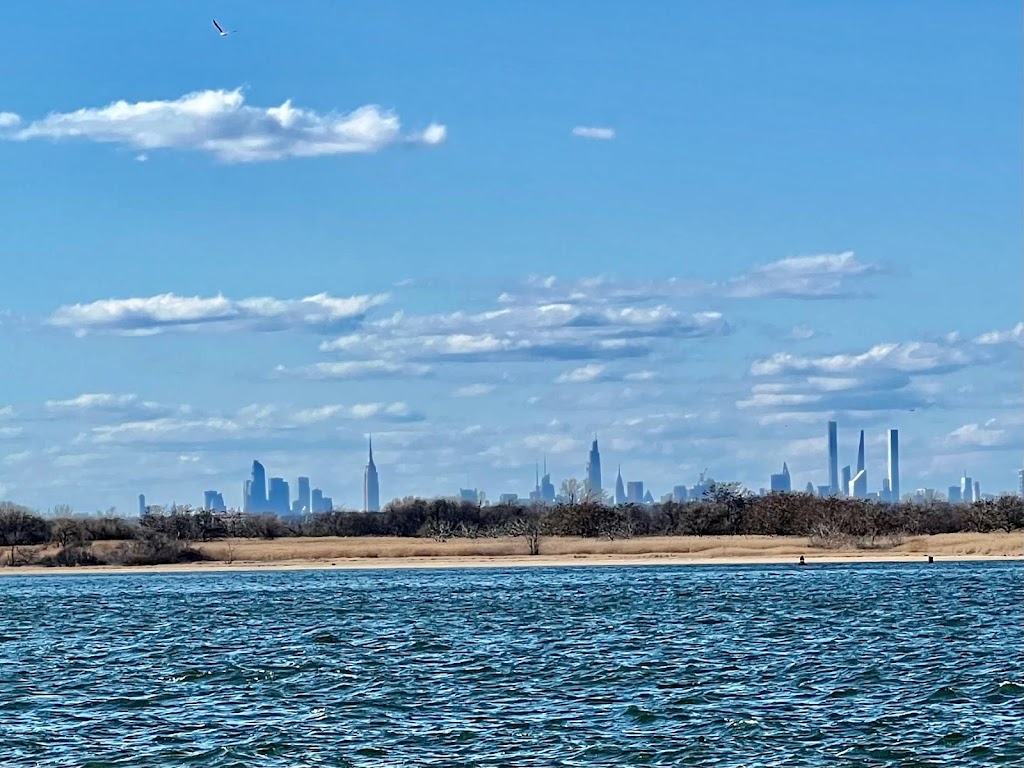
x=392 y=553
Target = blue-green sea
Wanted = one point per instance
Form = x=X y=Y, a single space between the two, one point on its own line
x=852 y=665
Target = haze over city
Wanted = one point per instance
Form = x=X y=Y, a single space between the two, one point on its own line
x=700 y=252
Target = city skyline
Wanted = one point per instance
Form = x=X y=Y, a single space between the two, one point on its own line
x=702 y=270
x=635 y=491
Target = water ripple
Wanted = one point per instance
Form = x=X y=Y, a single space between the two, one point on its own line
x=870 y=665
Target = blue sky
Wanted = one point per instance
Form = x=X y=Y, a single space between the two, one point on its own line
x=792 y=213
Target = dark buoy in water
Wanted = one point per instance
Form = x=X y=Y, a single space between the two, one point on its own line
x=931 y=559
x=802 y=560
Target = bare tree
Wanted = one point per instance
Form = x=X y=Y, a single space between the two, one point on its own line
x=20 y=528
x=530 y=528
x=571 y=491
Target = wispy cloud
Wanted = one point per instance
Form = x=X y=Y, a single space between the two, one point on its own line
x=885 y=377
x=820 y=276
x=583 y=375
x=562 y=331
x=992 y=435
x=106 y=404
x=356 y=369
x=168 y=312
x=248 y=423
x=381 y=411
x=220 y=123
x=594 y=132
x=474 y=390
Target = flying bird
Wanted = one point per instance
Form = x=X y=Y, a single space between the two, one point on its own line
x=221 y=31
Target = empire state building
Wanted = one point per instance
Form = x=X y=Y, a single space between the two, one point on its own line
x=371 y=485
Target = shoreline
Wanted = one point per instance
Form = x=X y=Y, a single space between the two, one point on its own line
x=446 y=562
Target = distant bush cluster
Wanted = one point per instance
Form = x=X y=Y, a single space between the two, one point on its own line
x=169 y=537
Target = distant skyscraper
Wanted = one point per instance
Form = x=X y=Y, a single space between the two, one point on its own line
x=894 y=464
x=305 y=498
x=547 y=488
x=371 y=485
x=247 y=496
x=620 y=489
x=833 y=458
x=648 y=497
x=966 y=488
x=977 y=491
x=469 y=494
x=824 y=490
x=679 y=492
x=316 y=501
x=258 y=489
x=214 y=501
x=328 y=503
x=142 y=504
x=844 y=489
x=953 y=494
x=508 y=498
x=782 y=482
x=855 y=484
x=809 y=489
x=594 y=469
x=635 y=492
x=1020 y=482
x=886 y=490
x=278 y=498
x=860 y=485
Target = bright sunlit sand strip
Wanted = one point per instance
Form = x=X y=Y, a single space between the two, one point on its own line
x=389 y=553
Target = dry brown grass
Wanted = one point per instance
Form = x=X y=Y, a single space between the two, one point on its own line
x=332 y=548
x=398 y=552
x=966 y=544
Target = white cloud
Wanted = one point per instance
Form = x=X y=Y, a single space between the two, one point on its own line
x=582 y=375
x=220 y=123
x=357 y=369
x=474 y=390
x=912 y=358
x=641 y=376
x=384 y=411
x=594 y=132
x=169 y=312
x=993 y=434
x=530 y=331
x=97 y=401
x=801 y=333
x=885 y=377
x=801 y=277
x=17 y=458
x=819 y=276
x=1014 y=335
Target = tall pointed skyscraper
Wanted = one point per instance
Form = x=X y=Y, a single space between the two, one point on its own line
x=620 y=488
x=371 y=486
x=833 y=458
x=594 y=469
x=860 y=478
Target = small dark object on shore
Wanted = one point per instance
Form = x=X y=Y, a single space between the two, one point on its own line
x=802 y=560
x=931 y=559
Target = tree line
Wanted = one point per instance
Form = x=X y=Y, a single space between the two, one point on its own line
x=169 y=536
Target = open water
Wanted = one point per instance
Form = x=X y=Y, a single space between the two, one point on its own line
x=872 y=665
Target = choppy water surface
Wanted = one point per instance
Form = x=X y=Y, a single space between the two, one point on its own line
x=906 y=665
